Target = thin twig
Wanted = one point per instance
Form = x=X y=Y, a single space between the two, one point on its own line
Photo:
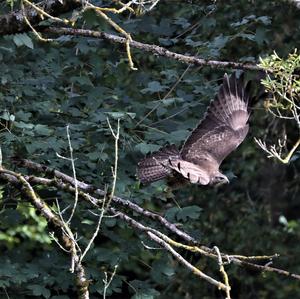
x=273 y=153
x=39 y=37
x=108 y=282
x=5 y=291
x=183 y=261
x=91 y=241
x=44 y=13
x=118 y=28
x=237 y=259
x=74 y=175
x=115 y=169
x=0 y=157
x=57 y=242
x=69 y=242
x=166 y=96
x=106 y=204
x=222 y=270
x=14 y=21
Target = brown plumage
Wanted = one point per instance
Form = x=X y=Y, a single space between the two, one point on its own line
x=221 y=131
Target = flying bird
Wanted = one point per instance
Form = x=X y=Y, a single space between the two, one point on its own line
x=222 y=129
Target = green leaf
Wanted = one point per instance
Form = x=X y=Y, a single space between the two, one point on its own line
x=143 y=290
x=153 y=87
x=142 y=296
x=219 y=42
x=172 y=101
x=82 y=80
x=145 y=148
x=191 y=212
x=171 y=213
x=266 y=20
x=38 y=290
x=117 y=115
x=261 y=35
x=43 y=130
x=177 y=136
x=22 y=39
x=88 y=222
x=247 y=36
x=23 y=125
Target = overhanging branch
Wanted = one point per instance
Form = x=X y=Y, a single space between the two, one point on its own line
x=66 y=237
x=154 y=49
x=65 y=182
x=15 y=22
x=118 y=200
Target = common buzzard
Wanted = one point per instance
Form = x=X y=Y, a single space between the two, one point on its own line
x=221 y=131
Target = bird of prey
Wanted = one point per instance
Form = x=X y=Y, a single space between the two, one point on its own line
x=222 y=129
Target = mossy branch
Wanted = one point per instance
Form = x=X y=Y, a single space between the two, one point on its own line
x=66 y=183
x=67 y=238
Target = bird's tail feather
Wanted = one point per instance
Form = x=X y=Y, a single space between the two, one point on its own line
x=156 y=166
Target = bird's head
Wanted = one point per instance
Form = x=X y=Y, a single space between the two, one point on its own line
x=219 y=179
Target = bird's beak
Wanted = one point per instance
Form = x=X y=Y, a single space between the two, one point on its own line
x=225 y=181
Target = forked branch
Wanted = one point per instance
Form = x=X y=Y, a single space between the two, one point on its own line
x=66 y=183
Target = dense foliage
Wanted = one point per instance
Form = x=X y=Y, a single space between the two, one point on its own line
x=80 y=82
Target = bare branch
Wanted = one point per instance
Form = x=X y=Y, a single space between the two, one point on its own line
x=222 y=270
x=118 y=200
x=183 y=261
x=1 y=157
x=44 y=13
x=156 y=50
x=115 y=169
x=91 y=241
x=74 y=175
x=265 y=268
x=240 y=260
x=39 y=37
x=15 y=22
x=67 y=239
x=99 y=11
x=105 y=205
x=107 y=281
x=274 y=153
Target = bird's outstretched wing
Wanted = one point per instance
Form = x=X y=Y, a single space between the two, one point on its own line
x=223 y=127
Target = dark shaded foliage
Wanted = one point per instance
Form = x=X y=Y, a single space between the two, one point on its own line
x=81 y=82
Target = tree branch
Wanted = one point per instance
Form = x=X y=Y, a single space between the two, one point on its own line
x=66 y=183
x=183 y=261
x=15 y=22
x=67 y=236
x=25 y=20
x=156 y=50
x=81 y=281
x=118 y=200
